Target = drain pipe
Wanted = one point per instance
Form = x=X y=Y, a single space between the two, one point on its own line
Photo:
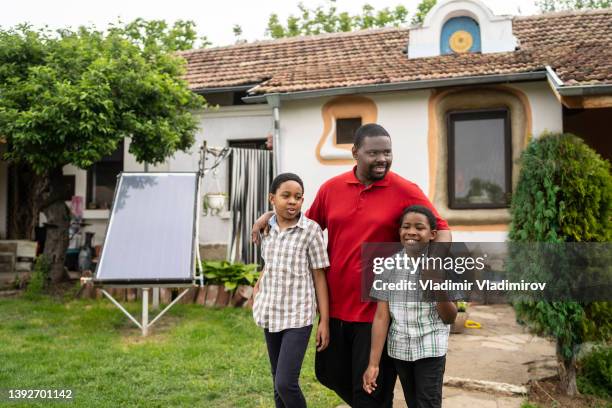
x=274 y=101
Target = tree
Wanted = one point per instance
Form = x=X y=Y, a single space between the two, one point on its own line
x=422 y=10
x=70 y=97
x=559 y=5
x=564 y=194
x=328 y=20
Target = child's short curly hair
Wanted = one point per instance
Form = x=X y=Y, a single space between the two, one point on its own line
x=419 y=209
x=281 y=178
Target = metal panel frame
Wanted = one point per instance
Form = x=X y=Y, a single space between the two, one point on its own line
x=154 y=282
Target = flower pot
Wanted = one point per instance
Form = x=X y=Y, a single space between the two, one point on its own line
x=459 y=325
x=242 y=295
x=223 y=297
x=215 y=201
x=211 y=295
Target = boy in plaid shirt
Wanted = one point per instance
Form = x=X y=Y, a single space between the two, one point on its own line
x=417 y=330
x=292 y=284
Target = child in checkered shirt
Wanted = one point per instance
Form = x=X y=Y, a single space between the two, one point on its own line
x=417 y=330
x=291 y=286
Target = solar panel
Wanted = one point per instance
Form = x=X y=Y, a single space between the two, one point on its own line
x=151 y=234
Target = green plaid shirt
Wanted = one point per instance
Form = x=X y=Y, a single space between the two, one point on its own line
x=416 y=330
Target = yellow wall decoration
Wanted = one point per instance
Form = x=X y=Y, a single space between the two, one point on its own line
x=461 y=41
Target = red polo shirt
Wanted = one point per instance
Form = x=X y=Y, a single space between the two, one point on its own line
x=354 y=214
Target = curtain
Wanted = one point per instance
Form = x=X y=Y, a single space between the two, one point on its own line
x=251 y=174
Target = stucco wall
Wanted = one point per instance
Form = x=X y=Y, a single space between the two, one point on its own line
x=217 y=126
x=403 y=114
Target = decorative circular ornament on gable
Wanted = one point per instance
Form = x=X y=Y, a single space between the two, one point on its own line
x=460 y=35
x=461 y=41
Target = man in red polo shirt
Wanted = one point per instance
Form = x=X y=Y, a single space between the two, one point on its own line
x=359 y=206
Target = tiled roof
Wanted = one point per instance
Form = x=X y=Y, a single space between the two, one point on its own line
x=575 y=44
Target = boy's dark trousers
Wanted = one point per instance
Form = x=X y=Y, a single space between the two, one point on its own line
x=286 y=350
x=341 y=365
x=422 y=381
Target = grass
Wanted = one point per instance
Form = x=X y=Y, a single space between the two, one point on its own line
x=193 y=357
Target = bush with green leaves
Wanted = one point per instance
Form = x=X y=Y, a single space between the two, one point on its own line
x=595 y=374
x=228 y=274
x=38 y=281
x=564 y=194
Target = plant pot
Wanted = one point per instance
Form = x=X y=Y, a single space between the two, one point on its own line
x=201 y=296
x=459 y=325
x=223 y=297
x=242 y=295
x=215 y=201
x=211 y=295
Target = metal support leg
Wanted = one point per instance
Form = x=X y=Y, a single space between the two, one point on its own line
x=155 y=301
x=144 y=326
x=145 y=311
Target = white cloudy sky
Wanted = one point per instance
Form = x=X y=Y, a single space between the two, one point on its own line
x=214 y=19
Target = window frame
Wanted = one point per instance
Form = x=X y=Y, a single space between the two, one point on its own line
x=478 y=114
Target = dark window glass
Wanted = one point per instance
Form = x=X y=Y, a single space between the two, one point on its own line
x=480 y=159
x=69 y=187
x=248 y=144
x=345 y=130
x=102 y=179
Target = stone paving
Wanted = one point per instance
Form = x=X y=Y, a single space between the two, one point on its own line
x=500 y=353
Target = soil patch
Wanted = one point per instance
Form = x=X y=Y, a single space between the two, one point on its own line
x=548 y=394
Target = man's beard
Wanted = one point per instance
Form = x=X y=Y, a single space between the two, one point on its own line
x=375 y=177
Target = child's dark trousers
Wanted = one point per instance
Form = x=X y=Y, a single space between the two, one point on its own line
x=286 y=350
x=422 y=381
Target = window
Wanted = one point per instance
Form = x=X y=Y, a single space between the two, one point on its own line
x=479 y=159
x=460 y=35
x=102 y=179
x=248 y=143
x=345 y=130
x=69 y=187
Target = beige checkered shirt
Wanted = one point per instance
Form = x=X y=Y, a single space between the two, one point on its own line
x=286 y=297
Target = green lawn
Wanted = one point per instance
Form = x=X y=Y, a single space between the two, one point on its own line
x=194 y=357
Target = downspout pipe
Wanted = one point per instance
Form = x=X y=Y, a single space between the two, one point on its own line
x=274 y=101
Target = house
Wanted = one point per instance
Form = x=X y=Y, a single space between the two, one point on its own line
x=460 y=94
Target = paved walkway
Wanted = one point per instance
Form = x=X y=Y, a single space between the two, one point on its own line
x=481 y=362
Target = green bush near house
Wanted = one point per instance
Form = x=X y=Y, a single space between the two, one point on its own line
x=564 y=194
x=595 y=373
x=230 y=275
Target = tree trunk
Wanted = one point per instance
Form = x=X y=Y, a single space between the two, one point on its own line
x=567 y=374
x=58 y=222
x=25 y=191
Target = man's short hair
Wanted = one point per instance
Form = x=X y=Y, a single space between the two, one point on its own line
x=368 y=130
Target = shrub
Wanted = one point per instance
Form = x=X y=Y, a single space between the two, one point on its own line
x=595 y=373
x=564 y=194
x=229 y=274
x=38 y=281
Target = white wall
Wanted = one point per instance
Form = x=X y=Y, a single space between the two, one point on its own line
x=217 y=126
x=546 y=110
x=403 y=114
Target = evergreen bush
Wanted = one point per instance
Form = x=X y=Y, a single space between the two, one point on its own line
x=564 y=194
